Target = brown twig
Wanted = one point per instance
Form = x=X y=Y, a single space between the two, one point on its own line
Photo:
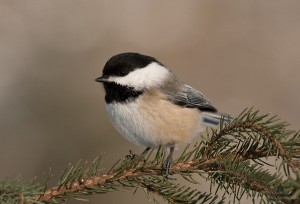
x=101 y=180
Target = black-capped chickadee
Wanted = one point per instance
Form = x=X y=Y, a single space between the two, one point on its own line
x=150 y=106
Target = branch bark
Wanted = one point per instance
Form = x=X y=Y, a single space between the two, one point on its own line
x=196 y=166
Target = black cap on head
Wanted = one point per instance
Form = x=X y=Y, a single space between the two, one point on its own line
x=122 y=64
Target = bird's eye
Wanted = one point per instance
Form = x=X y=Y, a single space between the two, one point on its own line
x=123 y=73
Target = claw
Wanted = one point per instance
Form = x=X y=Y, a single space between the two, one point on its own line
x=131 y=155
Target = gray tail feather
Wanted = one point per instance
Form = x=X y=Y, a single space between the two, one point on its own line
x=213 y=119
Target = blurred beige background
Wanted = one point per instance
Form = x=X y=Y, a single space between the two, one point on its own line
x=239 y=53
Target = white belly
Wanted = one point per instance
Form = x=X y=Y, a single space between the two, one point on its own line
x=128 y=122
x=154 y=123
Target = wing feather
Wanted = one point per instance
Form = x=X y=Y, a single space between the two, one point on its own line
x=192 y=98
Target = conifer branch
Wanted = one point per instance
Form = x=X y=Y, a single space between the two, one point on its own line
x=253 y=126
x=233 y=160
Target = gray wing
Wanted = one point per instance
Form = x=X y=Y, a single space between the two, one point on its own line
x=191 y=98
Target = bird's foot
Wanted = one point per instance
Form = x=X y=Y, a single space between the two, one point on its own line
x=167 y=165
x=131 y=155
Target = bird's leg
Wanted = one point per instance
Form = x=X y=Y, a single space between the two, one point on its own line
x=169 y=161
x=145 y=151
x=131 y=155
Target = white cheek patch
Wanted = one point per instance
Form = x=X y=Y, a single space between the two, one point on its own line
x=152 y=75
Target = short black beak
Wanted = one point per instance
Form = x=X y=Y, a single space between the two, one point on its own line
x=101 y=79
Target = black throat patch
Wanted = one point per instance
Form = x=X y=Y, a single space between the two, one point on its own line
x=119 y=93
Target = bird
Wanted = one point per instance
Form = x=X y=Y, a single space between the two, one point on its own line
x=150 y=106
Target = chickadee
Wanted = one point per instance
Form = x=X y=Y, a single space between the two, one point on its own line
x=150 y=106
